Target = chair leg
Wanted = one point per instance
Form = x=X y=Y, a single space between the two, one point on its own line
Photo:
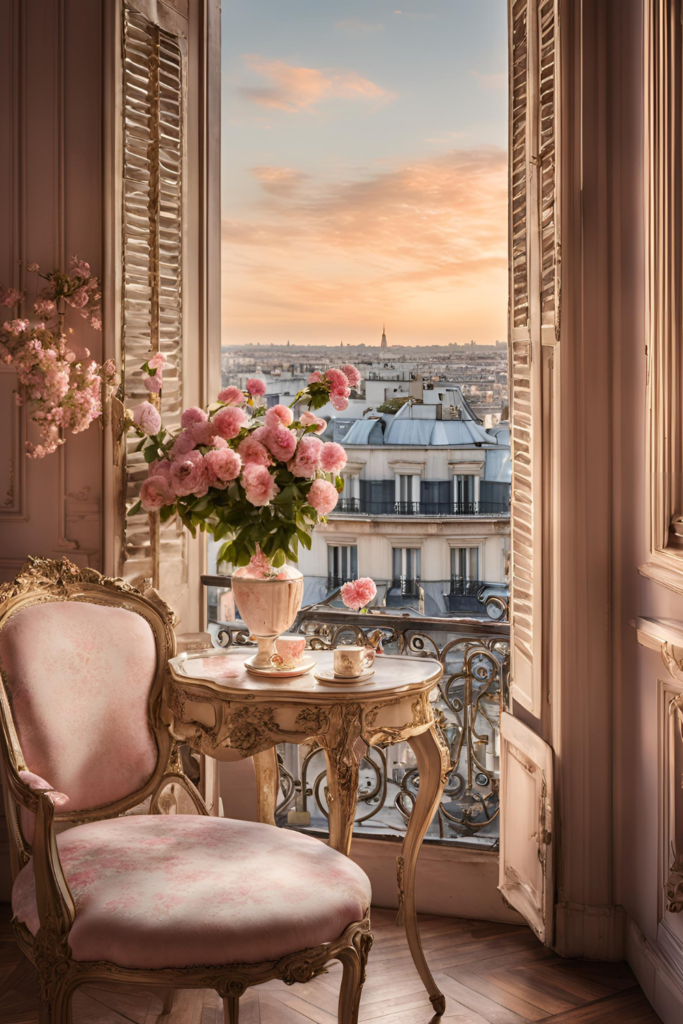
x=58 y=1009
x=351 y=987
x=167 y=996
x=231 y=1005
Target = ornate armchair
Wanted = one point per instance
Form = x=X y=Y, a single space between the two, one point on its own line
x=105 y=886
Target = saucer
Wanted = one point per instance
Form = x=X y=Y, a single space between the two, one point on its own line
x=281 y=673
x=326 y=675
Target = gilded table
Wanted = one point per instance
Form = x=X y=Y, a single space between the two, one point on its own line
x=223 y=711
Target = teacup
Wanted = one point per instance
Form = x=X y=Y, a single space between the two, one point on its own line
x=289 y=650
x=351 y=662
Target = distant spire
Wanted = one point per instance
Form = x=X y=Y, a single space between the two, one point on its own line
x=384 y=337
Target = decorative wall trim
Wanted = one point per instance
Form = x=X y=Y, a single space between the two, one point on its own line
x=658 y=975
x=661 y=572
x=12 y=425
x=664 y=262
x=590 y=933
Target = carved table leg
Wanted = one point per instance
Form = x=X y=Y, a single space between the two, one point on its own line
x=231 y=1009
x=267 y=784
x=433 y=762
x=342 y=795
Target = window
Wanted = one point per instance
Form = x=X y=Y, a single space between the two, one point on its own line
x=406 y=563
x=465 y=564
x=342 y=564
x=465 y=492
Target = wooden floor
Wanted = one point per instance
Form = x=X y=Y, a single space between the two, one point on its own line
x=490 y=974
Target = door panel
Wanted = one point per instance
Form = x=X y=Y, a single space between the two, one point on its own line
x=526 y=802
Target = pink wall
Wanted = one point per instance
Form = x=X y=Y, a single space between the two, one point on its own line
x=50 y=209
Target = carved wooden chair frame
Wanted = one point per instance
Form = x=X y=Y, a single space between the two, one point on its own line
x=59 y=975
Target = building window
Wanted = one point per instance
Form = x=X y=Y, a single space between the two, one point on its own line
x=465 y=492
x=342 y=564
x=464 y=569
x=406 y=563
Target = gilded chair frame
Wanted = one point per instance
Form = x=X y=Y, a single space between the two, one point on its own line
x=59 y=975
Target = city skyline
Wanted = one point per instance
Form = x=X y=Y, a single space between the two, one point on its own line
x=364 y=173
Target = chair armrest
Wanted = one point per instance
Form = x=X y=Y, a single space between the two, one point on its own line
x=38 y=785
x=56 y=907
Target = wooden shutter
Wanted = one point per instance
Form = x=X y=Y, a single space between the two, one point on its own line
x=534 y=315
x=152 y=249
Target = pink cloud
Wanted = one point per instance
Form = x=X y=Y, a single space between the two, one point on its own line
x=295 y=89
x=497 y=82
x=425 y=243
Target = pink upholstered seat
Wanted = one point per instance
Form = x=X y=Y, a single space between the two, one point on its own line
x=177 y=891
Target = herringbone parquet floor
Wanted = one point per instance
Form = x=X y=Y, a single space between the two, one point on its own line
x=490 y=974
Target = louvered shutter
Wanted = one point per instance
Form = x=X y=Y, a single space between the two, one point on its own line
x=153 y=101
x=534 y=314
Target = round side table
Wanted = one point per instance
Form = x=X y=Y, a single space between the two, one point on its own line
x=225 y=712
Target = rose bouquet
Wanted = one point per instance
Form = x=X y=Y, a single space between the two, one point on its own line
x=259 y=479
x=64 y=390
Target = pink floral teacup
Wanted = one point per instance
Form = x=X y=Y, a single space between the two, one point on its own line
x=289 y=651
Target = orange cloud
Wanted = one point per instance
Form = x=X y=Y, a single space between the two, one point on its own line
x=279 y=181
x=294 y=89
x=424 y=245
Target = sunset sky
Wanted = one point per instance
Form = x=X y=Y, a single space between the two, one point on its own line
x=364 y=171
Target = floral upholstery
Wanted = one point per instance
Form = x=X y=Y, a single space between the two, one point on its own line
x=182 y=890
x=79 y=677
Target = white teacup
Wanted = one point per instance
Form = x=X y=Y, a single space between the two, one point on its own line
x=289 y=650
x=351 y=662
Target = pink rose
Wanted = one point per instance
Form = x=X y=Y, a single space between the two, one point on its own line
x=315 y=378
x=279 y=414
x=160 y=467
x=357 y=593
x=309 y=419
x=156 y=492
x=147 y=418
x=259 y=485
x=253 y=453
x=79 y=299
x=281 y=442
x=183 y=444
x=189 y=475
x=96 y=323
x=337 y=379
x=231 y=396
x=157 y=362
x=153 y=384
x=339 y=402
x=323 y=496
x=203 y=433
x=333 y=458
x=193 y=415
x=306 y=462
x=79 y=268
x=222 y=466
x=228 y=422
x=256 y=386
x=352 y=375
x=220 y=442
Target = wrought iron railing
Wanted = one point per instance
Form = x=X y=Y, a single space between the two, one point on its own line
x=475 y=656
x=334 y=582
x=357 y=506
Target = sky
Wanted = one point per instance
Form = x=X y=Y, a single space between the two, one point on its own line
x=364 y=171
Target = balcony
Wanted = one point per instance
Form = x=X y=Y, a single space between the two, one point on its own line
x=475 y=656
x=357 y=506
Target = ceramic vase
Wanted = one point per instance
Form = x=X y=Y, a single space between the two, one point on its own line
x=269 y=608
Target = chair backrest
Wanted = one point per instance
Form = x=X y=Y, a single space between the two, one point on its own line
x=82 y=661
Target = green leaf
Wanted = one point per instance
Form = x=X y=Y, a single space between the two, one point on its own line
x=151 y=453
x=278 y=559
x=304 y=538
x=133 y=511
